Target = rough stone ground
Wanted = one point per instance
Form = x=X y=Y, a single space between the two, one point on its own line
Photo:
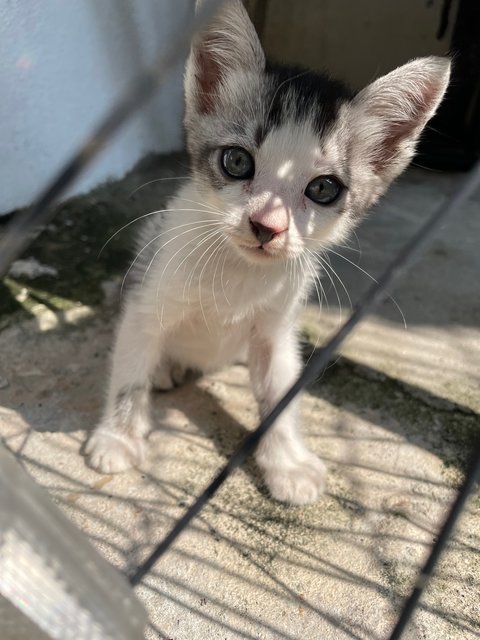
x=395 y=419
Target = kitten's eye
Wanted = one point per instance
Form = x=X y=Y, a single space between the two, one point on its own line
x=238 y=163
x=324 y=190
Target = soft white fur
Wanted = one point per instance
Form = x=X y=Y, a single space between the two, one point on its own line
x=205 y=303
x=208 y=295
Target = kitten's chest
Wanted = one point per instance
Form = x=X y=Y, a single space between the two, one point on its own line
x=217 y=325
x=238 y=292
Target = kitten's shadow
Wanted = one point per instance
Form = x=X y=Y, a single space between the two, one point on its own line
x=202 y=409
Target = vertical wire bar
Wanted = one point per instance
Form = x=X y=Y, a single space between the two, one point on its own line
x=426 y=573
x=317 y=363
x=25 y=227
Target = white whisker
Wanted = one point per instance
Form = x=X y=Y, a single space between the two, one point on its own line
x=209 y=222
x=329 y=266
x=189 y=280
x=321 y=262
x=208 y=234
x=215 y=265
x=200 y=235
x=373 y=280
x=172 y=240
x=207 y=207
x=145 y=184
x=221 y=279
x=299 y=75
x=212 y=244
x=146 y=215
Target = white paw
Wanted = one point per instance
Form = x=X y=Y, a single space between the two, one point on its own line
x=302 y=483
x=162 y=380
x=110 y=452
x=178 y=373
x=167 y=376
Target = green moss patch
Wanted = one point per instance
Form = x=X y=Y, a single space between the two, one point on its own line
x=451 y=432
x=71 y=243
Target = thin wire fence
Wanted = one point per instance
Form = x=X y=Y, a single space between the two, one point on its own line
x=24 y=228
x=320 y=360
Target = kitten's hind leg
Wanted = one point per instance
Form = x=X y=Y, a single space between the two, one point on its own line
x=118 y=442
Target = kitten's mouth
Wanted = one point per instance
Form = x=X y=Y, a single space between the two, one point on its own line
x=268 y=252
x=256 y=248
x=262 y=252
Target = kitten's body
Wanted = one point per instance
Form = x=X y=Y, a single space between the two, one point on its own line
x=221 y=274
x=199 y=308
x=199 y=289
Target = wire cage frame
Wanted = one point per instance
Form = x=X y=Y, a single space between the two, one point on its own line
x=25 y=227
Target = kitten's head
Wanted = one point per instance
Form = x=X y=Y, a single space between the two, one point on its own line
x=292 y=158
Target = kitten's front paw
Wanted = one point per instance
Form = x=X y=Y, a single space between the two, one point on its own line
x=303 y=483
x=166 y=377
x=110 y=452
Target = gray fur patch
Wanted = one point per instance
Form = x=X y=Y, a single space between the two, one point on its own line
x=276 y=97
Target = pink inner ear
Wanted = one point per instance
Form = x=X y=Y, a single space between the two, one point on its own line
x=396 y=132
x=418 y=105
x=208 y=76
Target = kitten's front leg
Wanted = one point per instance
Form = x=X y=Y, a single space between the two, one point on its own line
x=118 y=442
x=292 y=473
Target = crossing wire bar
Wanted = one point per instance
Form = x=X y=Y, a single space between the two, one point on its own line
x=318 y=362
x=442 y=539
x=24 y=228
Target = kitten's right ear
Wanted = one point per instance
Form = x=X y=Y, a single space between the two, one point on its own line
x=227 y=44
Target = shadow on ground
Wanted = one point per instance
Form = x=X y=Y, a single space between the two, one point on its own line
x=343 y=565
x=248 y=567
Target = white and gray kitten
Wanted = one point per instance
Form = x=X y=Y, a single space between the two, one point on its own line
x=285 y=162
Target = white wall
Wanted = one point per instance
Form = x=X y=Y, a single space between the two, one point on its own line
x=62 y=63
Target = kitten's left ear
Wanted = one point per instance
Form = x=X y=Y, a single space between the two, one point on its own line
x=227 y=44
x=390 y=113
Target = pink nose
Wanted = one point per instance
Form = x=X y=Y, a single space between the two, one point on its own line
x=264 y=234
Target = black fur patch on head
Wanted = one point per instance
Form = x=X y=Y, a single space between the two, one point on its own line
x=299 y=94
x=259 y=135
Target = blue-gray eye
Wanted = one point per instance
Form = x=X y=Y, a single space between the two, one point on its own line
x=324 y=190
x=237 y=163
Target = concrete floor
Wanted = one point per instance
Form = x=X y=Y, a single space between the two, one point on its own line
x=395 y=420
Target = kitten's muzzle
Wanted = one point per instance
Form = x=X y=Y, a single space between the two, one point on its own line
x=263 y=233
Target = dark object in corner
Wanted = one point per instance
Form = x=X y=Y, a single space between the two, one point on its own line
x=452 y=140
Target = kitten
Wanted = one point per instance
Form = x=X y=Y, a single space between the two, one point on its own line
x=285 y=162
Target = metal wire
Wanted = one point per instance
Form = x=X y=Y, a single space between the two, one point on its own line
x=25 y=227
x=442 y=539
x=373 y=296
